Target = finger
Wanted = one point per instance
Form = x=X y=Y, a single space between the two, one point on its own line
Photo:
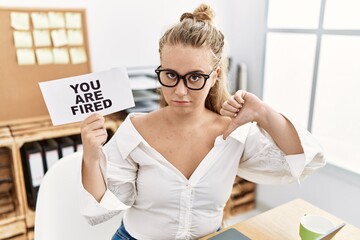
x=101 y=140
x=95 y=143
x=226 y=113
x=232 y=126
x=99 y=132
x=96 y=138
x=233 y=102
x=230 y=108
x=97 y=124
x=240 y=96
x=92 y=118
x=92 y=134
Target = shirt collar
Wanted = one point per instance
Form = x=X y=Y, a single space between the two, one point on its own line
x=240 y=134
x=128 y=138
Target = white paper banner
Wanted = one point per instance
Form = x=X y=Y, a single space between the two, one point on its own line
x=73 y=99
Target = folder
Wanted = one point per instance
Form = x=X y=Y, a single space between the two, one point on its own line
x=50 y=153
x=77 y=142
x=6 y=179
x=65 y=146
x=6 y=185
x=6 y=203
x=33 y=169
x=4 y=156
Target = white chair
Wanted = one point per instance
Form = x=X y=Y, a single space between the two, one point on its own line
x=57 y=215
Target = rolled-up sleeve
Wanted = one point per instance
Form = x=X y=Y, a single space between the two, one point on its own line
x=119 y=174
x=263 y=161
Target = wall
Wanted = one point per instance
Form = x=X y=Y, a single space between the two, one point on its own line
x=123 y=32
x=133 y=30
x=127 y=32
x=245 y=31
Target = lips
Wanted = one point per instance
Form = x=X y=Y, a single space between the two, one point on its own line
x=181 y=101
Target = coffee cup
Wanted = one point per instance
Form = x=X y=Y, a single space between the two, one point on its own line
x=314 y=226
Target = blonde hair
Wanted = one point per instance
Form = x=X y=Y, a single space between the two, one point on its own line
x=197 y=30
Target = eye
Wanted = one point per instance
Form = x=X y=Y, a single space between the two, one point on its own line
x=171 y=75
x=195 y=77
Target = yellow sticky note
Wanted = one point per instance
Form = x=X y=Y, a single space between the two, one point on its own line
x=44 y=56
x=78 y=55
x=56 y=19
x=22 y=39
x=40 y=20
x=75 y=37
x=20 y=20
x=25 y=56
x=59 y=37
x=73 y=20
x=42 y=38
x=61 y=56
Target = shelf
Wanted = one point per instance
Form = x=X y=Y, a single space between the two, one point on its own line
x=44 y=129
x=242 y=198
x=145 y=95
x=5 y=137
x=13 y=228
x=35 y=131
x=142 y=82
x=12 y=218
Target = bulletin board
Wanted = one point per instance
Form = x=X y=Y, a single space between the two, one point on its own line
x=20 y=95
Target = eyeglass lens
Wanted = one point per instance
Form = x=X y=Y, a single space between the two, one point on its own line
x=171 y=78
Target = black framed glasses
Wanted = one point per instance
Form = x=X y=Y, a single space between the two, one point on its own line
x=192 y=80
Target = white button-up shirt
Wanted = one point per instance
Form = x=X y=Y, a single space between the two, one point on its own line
x=161 y=203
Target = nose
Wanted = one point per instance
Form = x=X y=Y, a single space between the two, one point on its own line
x=180 y=88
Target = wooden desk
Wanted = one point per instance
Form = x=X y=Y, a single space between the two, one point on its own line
x=283 y=222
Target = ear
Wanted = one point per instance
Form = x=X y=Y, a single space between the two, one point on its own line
x=217 y=73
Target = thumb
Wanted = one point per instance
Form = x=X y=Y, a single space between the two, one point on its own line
x=232 y=126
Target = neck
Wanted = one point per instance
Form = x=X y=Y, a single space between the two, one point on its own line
x=184 y=119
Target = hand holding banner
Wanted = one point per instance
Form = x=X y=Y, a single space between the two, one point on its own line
x=74 y=99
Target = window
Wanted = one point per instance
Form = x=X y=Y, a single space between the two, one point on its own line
x=342 y=14
x=312 y=71
x=289 y=67
x=292 y=14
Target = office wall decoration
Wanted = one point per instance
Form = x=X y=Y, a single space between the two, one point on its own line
x=38 y=44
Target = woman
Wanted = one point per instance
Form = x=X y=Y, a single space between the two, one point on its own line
x=173 y=169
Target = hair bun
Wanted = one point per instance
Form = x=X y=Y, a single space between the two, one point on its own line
x=187 y=15
x=203 y=13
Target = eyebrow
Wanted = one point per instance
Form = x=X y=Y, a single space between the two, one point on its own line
x=194 y=71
